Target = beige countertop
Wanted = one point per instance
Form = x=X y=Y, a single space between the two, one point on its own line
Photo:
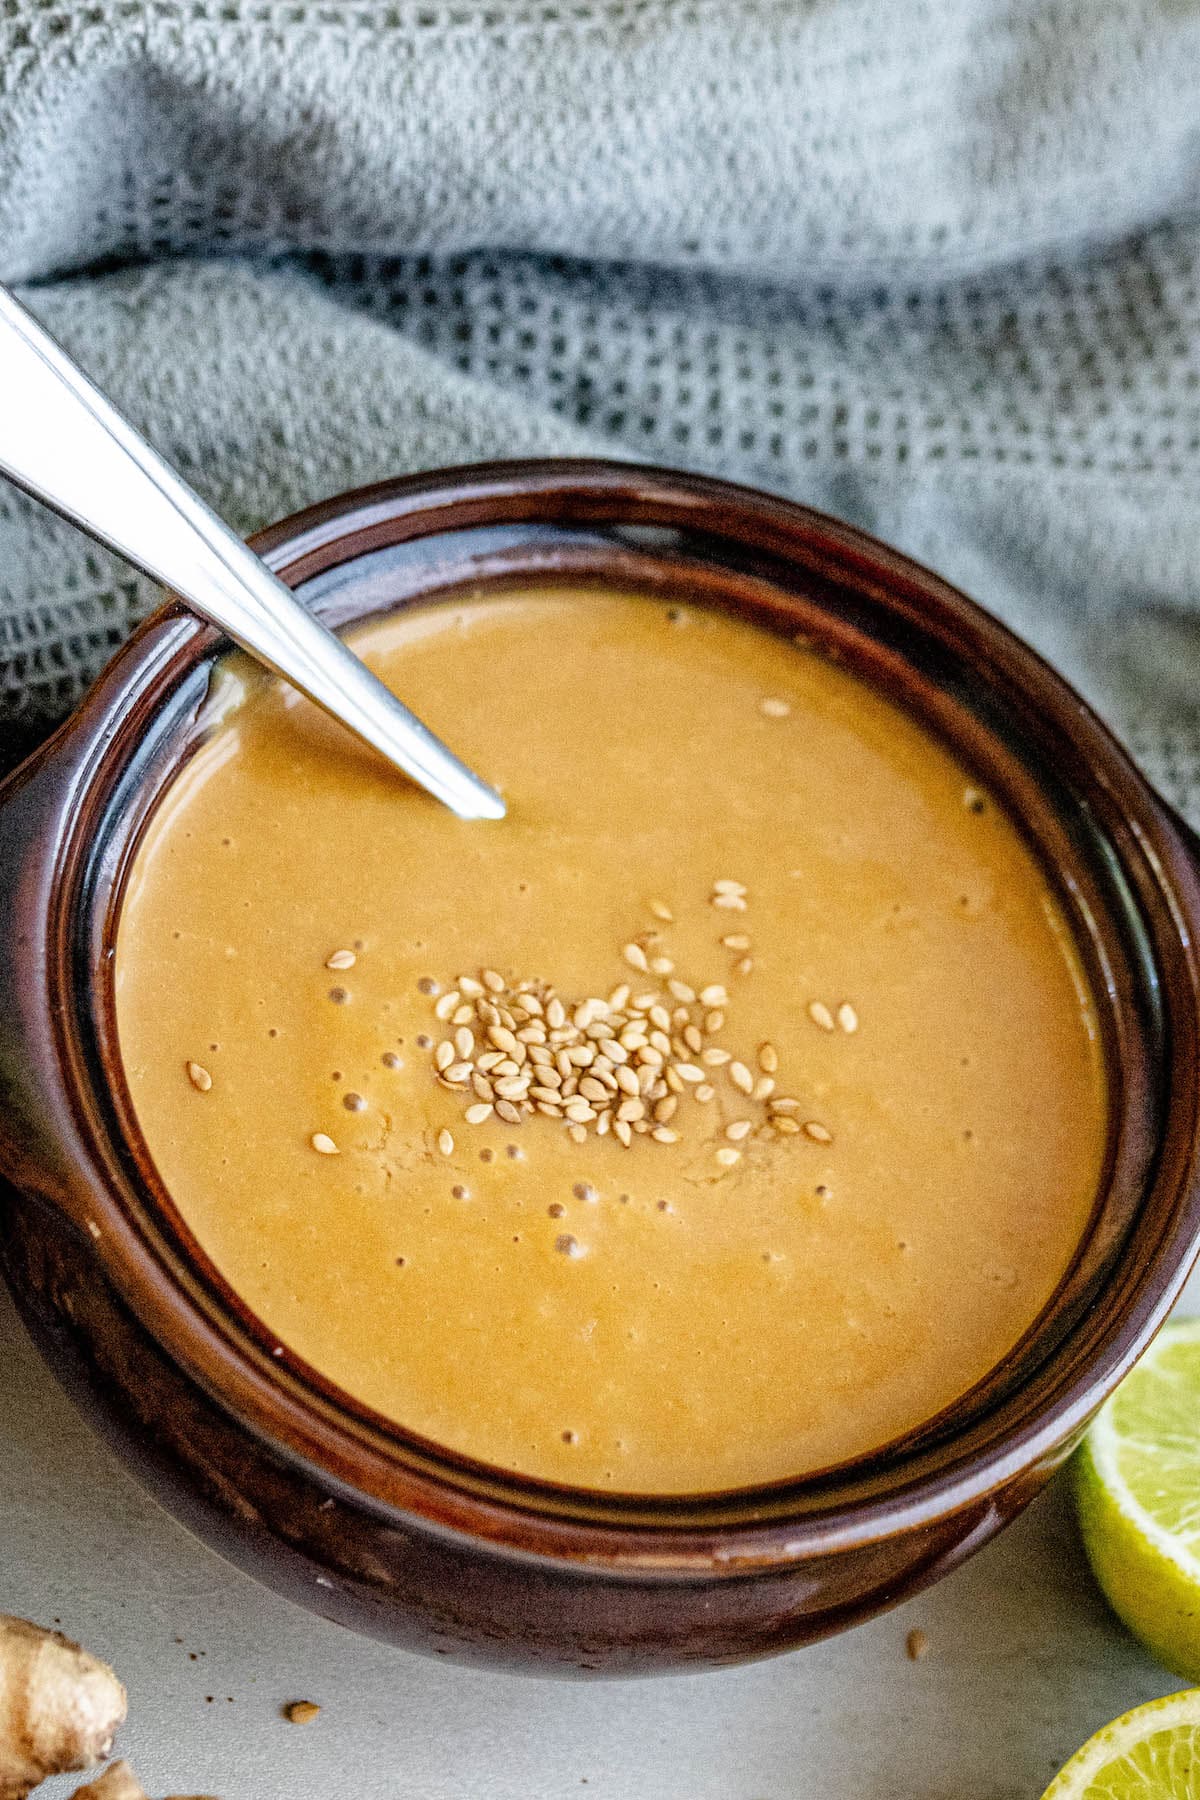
x=1024 y=1662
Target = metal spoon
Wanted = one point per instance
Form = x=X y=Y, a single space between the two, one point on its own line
x=65 y=444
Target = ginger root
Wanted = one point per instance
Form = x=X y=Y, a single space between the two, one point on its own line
x=119 y=1782
x=59 y=1707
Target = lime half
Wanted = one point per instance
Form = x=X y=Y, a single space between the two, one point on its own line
x=1137 y=1486
x=1152 y=1753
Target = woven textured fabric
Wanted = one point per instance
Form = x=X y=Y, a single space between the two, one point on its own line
x=933 y=267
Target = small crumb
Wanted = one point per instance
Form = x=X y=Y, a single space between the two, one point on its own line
x=973 y=800
x=916 y=1645
x=301 y=1712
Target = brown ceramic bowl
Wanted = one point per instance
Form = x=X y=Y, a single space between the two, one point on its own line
x=333 y=1505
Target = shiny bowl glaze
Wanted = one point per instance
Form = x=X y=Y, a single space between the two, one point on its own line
x=340 y=1509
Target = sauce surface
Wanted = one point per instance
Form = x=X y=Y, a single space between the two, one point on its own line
x=656 y=1317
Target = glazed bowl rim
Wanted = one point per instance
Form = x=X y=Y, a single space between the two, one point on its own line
x=295 y=547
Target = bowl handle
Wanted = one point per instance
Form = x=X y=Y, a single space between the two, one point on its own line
x=40 y=1151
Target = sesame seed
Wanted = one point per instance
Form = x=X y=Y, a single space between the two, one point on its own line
x=820 y=1015
x=445 y=1143
x=341 y=959
x=819 y=1134
x=577 y=1133
x=323 y=1144
x=447 y=1004
x=458 y=1074
x=785 y=1104
x=704 y=1094
x=736 y=940
x=764 y=1087
x=443 y=1056
x=768 y=1058
x=744 y=967
x=739 y=1129
x=662 y=1134
x=847 y=1017
x=199 y=1077
x=773 y=708
x=741 y=1077
x=727 y=1156
x=662 y=911
x=468 y=985
x=726 y=886
x=508 y=1112
x=729 y=903
x=688 y=1072
x=714 y=1022
x=464 y=1041
x=786 y=1124
x=681 y=992
x=714 y=995
x=662 y=965
x=475 y=1115
x=666 y=1108
x=622 y=1132
x=635 y=956
x=492 y=982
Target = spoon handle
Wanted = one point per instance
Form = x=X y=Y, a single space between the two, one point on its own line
x=65 y=444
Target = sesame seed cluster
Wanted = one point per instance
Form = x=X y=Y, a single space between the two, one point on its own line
x=622 y=1063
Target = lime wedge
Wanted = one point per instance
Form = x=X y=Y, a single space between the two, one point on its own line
x=1152 y=1753
x=1137 y=1487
